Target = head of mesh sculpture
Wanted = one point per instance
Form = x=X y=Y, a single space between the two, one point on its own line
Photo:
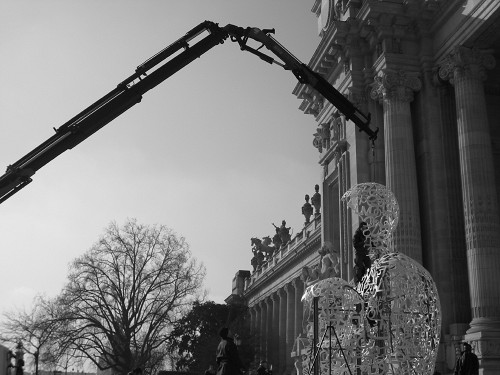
x=377 y=206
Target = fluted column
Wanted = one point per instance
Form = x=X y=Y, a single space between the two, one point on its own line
x=252 y=319
x=395 y=91
x=274 y=357
x=263 y=326
x=270 y=328
x=256 y=328
x=465 y=68
x=290 y=325
x=299 y=307
x=282 y=332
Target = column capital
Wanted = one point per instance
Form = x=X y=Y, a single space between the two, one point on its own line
x=395 y=85
x=281 y=292
x=274 y=296
x=468 y=62
x=297 y=282
x=268 y=301
x=289 y=288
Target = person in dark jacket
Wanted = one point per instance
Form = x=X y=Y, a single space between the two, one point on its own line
x=467 y=363
x=228 y=360
x=263 y=369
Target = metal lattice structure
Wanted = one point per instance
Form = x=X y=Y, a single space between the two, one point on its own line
x=390 y=321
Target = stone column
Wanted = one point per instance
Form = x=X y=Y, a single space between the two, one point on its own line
x=273 y=358
x=465 y=68
x=256 y=327
x=290 y=325
x=282 y=333
x=270 y=328
x=299 y=307
x=263 y=326
x=253 y=313
x=394 y=89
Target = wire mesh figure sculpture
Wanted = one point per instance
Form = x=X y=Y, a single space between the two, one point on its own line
x=389 y=321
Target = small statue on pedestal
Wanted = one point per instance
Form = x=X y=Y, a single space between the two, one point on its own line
x=307 y=210
x=277 y=239
x=316 y=200
x=284 y=233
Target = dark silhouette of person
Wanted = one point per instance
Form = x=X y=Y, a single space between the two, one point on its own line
x=228 y=360
x=467 y=363
x=263 y=369
x=361 y=259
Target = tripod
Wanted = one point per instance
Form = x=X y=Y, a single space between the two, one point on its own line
x=330 y=328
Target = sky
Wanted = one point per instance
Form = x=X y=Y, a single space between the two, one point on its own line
x=218 y=152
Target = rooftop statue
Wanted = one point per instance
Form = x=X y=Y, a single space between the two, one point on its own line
x=316 y=200
x=277 y=238
x=307 y=210
x=262 y=246
x=284 y=233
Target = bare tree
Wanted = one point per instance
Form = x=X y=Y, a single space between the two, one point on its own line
x=124 y=294
x=36 y=328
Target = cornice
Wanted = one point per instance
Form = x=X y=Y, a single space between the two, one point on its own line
x=461 y=23
x=368 y=29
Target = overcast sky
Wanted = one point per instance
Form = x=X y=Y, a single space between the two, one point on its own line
x=217 y=152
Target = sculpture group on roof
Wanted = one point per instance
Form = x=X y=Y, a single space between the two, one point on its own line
x=263 y=249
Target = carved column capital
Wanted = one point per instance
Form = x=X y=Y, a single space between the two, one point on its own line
x=395 y=85
x=274 y=297
x=297 y=283
x=468 y=62
x=281 y=293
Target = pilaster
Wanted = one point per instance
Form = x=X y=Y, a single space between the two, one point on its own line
x=395 y=90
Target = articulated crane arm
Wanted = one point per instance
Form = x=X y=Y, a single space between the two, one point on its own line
x=150 y=74
x=303 y=73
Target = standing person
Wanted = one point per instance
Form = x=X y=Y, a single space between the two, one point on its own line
x=262 y=369
x=467 y=363
x=228 y=360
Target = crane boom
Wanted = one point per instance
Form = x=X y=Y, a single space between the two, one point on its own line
x=151 y=73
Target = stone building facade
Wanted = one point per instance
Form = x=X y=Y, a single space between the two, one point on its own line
x=426 y=71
